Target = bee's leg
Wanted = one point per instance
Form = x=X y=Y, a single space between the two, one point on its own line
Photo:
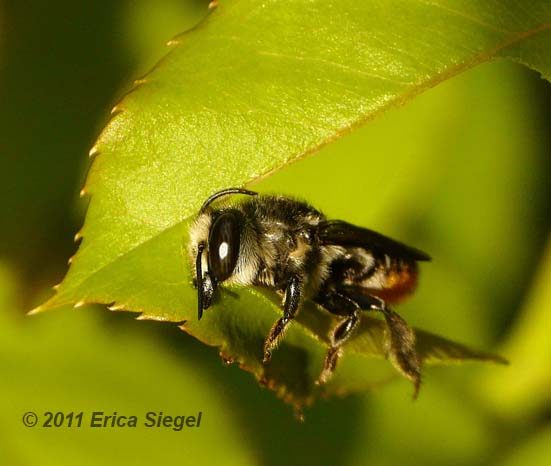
x=338 y=304
x=402 y=340
x=291 y=301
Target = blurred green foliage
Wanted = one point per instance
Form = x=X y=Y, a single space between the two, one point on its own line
x=464 y=169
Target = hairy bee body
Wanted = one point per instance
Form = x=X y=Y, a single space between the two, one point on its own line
x=287 y=245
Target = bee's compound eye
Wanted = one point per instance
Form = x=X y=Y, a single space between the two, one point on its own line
x=224 y=239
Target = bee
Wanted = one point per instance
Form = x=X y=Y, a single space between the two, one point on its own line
x=288 y=246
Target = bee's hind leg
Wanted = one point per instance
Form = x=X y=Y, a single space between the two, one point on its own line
x=402 y=338
x=342 y=305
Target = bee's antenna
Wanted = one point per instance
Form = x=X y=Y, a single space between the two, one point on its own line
x=199 y=273
x=223 y=193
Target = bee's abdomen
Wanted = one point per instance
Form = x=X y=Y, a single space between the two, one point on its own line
x=396 y=282
x=390 y=279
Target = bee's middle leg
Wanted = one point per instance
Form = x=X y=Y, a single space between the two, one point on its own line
x=293 y=297
x=342 y=305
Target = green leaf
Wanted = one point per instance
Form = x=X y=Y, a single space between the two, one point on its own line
x=253 y=88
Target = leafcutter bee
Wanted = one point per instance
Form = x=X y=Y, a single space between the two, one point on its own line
x=286 y=245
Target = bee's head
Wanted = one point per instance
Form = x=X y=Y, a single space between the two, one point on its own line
x=215 y=243
x=217 y=253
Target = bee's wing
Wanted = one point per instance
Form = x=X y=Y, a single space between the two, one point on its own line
x=337 y=232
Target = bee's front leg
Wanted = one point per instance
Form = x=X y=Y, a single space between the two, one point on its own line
x=291 y=302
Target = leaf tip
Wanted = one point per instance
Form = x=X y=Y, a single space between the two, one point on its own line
x=116 y=110
x=36 y=310
x=117 y=307
x=498 y=359
x=51 y=303
x=183 y=326
x=77 y=237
